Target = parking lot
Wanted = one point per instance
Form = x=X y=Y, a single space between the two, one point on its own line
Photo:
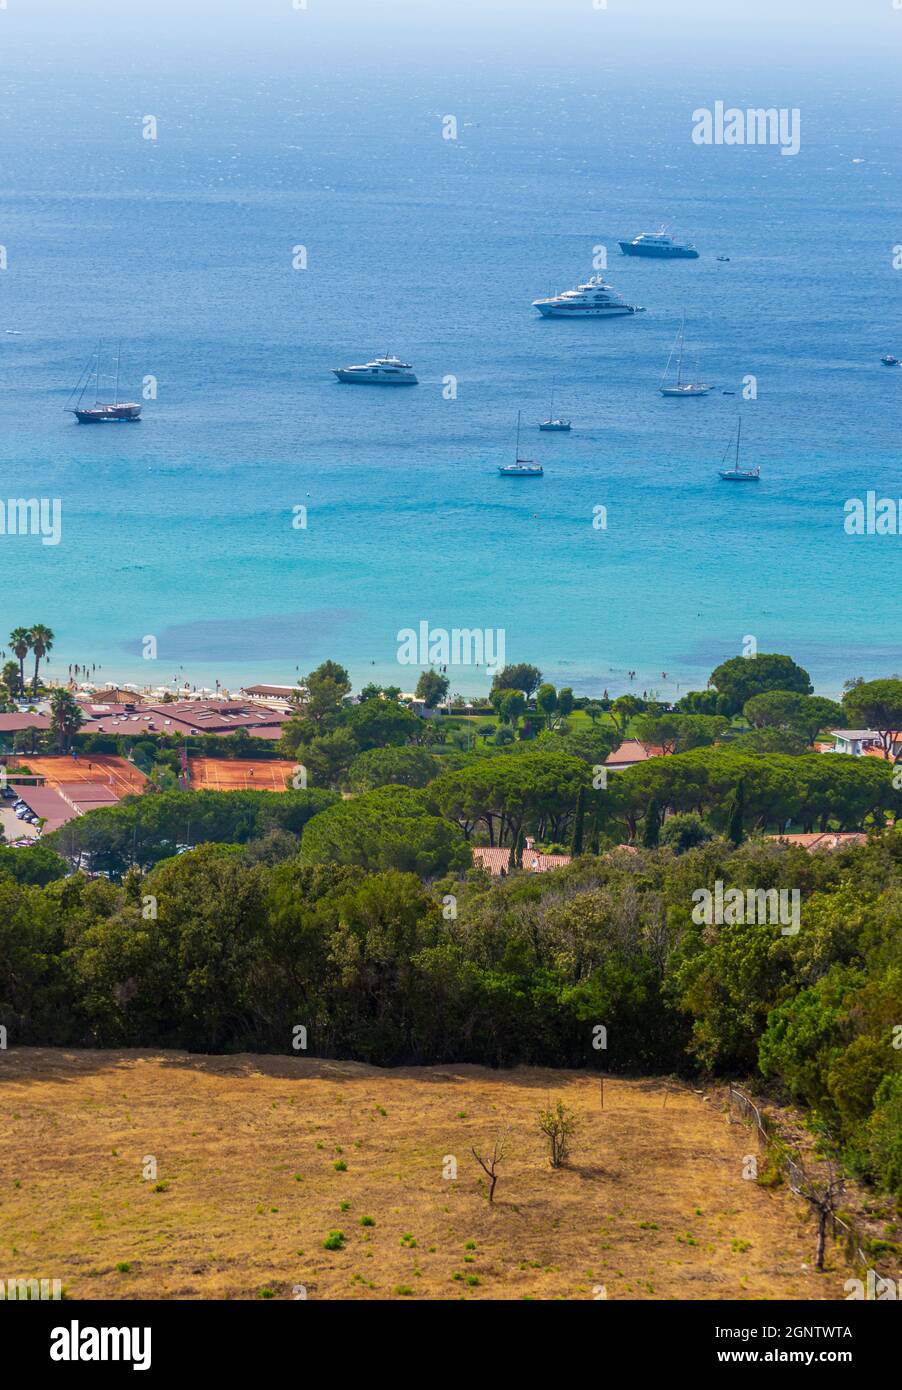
x=13 y=828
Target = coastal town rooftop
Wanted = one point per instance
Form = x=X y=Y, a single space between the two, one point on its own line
x=16 y=723
x=182 y=717
x=256 y=691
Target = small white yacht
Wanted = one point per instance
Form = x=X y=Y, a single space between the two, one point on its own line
x=659 y=246
x=554 y=423
x=382 y=371
x=737 y=474
x=680 y=387
x=594 y=299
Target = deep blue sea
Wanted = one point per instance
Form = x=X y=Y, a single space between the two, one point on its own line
x=180 y=527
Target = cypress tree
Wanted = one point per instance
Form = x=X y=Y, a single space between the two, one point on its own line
x=576 y=844
x=516 y=854
x=652 y=827
x=737 y=812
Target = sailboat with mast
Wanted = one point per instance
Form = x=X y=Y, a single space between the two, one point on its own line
x=521 y=468
x=681 y=387
x=737 y=474
x=101 y=412
x=553 y=423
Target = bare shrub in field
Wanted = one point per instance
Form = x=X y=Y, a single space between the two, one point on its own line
x=559 y=1126
x=824 y=1196
x=490 y=1165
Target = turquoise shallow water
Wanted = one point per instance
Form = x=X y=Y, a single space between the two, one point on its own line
x=180 y=527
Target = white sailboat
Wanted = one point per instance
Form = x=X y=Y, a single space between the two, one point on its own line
x=522 y=468
x=737 y=474
x=553 y=423
x=681 y=387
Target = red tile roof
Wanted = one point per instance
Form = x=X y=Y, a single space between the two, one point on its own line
x=830 y=839
x=13 y=723
x=497 y=860
x=494 y=860
x=632 y=751
x=186 y=717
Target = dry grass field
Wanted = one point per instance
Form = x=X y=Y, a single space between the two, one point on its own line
x=258 y=1159
x=244 y=774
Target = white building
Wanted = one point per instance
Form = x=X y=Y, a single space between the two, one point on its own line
x=854 y=741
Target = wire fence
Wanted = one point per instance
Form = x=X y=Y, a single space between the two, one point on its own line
x=845 y=1231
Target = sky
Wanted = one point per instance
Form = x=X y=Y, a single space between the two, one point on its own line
x=279 y=33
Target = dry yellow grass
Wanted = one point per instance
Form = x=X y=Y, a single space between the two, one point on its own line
x=652 y=1206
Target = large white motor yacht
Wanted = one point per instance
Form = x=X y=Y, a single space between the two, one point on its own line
x=382 y=371
x=595 y=299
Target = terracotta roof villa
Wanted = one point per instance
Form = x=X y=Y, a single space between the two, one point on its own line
x=496 y=861
x=630 y=752
x=830 y=839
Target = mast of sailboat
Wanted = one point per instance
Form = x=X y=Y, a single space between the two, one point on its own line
x=518 y=436
x=118 y=363
x=679 y=380
x=738 y=433
x=82 y=384
x=551 y=411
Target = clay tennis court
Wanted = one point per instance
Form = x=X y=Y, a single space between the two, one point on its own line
x=244 y=774
x=118 y=773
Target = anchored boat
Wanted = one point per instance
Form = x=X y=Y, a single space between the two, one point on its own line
x=737 y=474
x=382 y=371
x=659 y=246
x=594 y=299
x=681 y=387
x=101 y=412
x=554 y=423
x=521 y=468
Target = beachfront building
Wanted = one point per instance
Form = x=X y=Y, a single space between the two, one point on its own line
x=108 y=694
x=183 y=717
x=278 y=697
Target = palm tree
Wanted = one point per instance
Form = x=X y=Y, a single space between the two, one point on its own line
x=20 y=644
x=66 y=717
x=9 y=685
x=41 y=641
